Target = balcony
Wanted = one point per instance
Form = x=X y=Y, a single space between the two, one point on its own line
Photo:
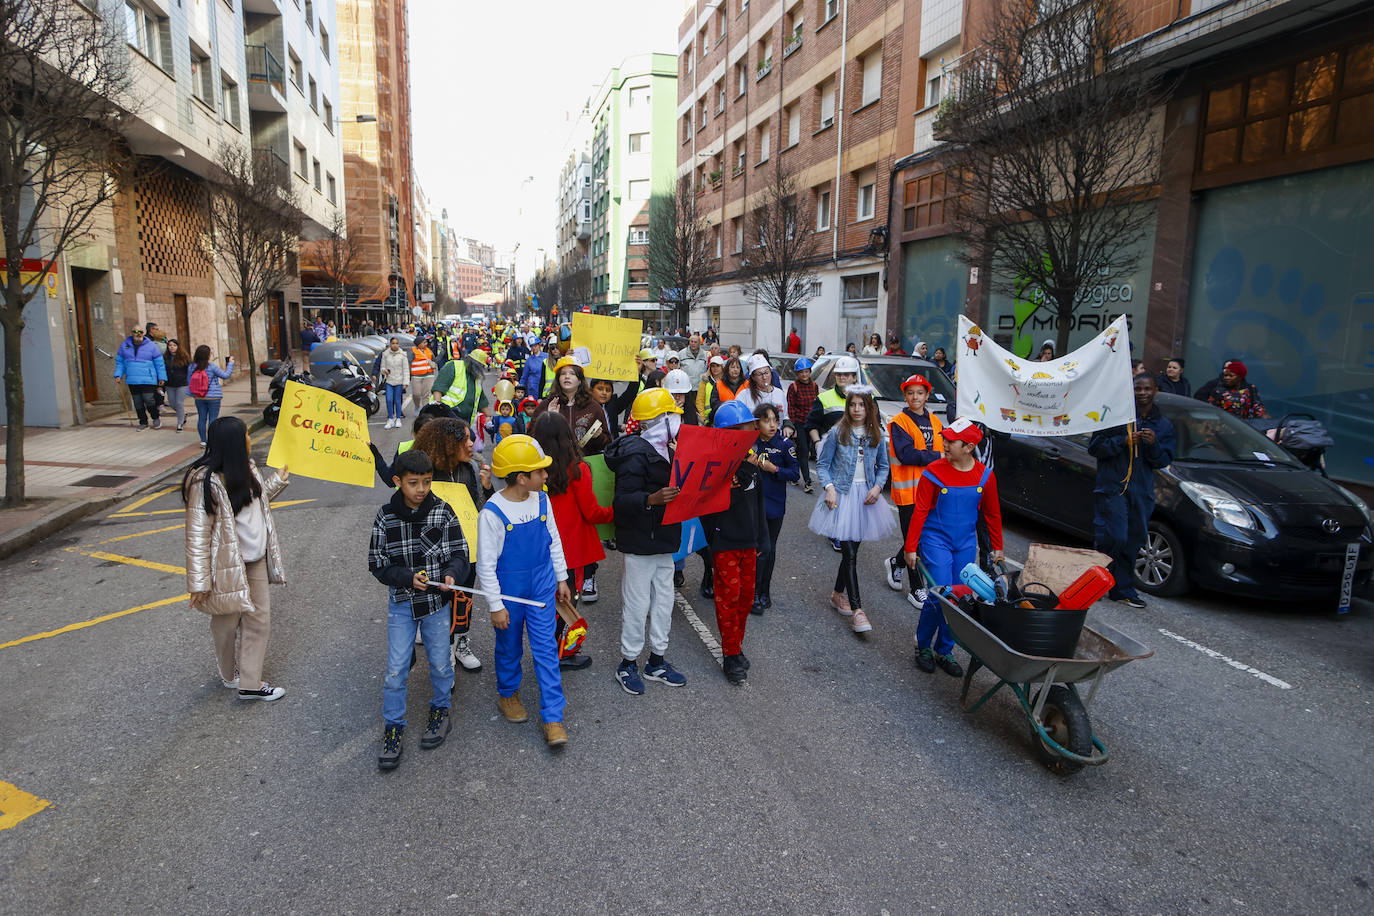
x=765 y=68
x=271 y=165
x=792 y=45
x=263 y=7
x=266 y=80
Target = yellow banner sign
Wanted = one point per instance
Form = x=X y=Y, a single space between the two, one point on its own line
x=460 y=500
x=612 y=344
x=323 y=436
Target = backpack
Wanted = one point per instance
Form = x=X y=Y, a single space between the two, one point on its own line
x=199 y=385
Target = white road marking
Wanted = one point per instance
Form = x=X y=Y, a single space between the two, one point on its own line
x=1240 y=666
x=703 y=631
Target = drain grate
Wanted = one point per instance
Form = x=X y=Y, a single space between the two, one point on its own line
x=103 y=480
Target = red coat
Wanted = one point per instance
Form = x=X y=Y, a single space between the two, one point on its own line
x=576 y=513
x=793 y=343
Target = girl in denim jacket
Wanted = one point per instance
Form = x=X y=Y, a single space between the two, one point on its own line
x=852 y=467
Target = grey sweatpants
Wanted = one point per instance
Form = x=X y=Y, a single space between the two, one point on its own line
x=647 y=595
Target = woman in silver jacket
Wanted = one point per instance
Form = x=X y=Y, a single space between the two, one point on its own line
x=232 y=553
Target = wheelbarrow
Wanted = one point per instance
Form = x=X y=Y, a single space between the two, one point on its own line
x=1060 y=729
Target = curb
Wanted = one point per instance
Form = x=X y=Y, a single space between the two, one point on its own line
x=26 y=536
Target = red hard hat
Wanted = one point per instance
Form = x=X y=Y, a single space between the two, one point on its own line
x=916 y=379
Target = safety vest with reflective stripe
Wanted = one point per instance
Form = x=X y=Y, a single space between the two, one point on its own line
x=423 y=364
x=831 y=399
x=547 y=385
x=723 y=391
x=906 y=476
x=455 y=347
x=458 y=392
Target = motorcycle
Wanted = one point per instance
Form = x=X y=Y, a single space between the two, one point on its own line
x=348 y=381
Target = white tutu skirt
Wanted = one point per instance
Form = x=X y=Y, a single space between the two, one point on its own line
x=851 y=520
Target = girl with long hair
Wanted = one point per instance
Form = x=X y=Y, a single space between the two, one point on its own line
x=874 y=347
x=207 y=391
x=178 y=369
x=576 y=510
x=852 y=467
x=232 y=553
x=572 y=399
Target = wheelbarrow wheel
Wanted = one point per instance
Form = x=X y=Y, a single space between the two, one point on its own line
x=1066 y=721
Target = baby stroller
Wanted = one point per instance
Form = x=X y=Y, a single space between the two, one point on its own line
x=1302 y=435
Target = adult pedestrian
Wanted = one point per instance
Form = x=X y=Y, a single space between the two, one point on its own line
x=1172 y=380
x=801 y=395
x=395 y=373
x=694 y=360
x=922 y=350
x=942 y=360
x=573 y=401
x=728 y=386
x=532 y=376
x=204 y=385
x=232 y=554
x=157 y=336
x=459 y=386
x=1124 y=495
x=423 y=371
x=1235 y=395
x=178 y=369
x=308 y=337
x=894 y=346
x=760 y=388
x=794 y=342
x=139 y=364
x=707 y=385
x=874 y=347
x=711 y=336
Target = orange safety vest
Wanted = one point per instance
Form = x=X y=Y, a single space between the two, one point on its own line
x=906 y=476
x=423 y=363
x=723 y=390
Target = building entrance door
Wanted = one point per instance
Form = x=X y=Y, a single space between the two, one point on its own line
x=81 y=300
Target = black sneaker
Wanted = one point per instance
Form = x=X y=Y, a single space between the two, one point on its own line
x=708 y=586
x=1134 y=601
x=390 y=757
x=734 y=670
x=894 y=574
x=589 y=594
x=627 y=675
x=836 y=544
x=925 y=660
x=679 y=578
x=758 y=608
x=664 y=673
x=266 y=692
x=949 y=666
x=765 y=601
x=436 y=729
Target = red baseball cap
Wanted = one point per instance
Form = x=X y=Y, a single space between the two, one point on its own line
x=916 y=379
x=963 y=429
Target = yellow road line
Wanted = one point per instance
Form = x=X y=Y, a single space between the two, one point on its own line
x=149 y=498
x=16 y=805
x=125 y=537
x=277 y=505
x=81 y=625
x=132 y=561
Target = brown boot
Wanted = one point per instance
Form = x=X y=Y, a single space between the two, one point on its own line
x=555 y=735
x=512 y=708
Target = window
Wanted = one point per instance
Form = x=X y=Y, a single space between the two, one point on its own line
x=741 y=81
x=315 y=170
x=827 y=104
x=738 y=223
x=686 y=128
x=739 y=156
x=639 y=143
x=793 y=124
x=702 y=110
x=229 y=100
x=704 y=39
x=310 y=15
x=639 y=189
x=872 y=77
x=202 y=77
x=720 y=97
x=328 y=116
x=324 y=42
x=860 y=290
x=828 y=9
x=301 y=160
x=147 y=32
x=297 y=70
x=333 y=188
x=765 y=135
x=639 y=96
x=823 y=209
x=866 y=182
x=639 y=236
x=792 y=36
x=934 y=89
x=314 y=96
x=586 y=211
x=923 y=202
x=765 y=53
x=715 y=235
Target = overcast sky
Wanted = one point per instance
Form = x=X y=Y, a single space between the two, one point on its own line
x=493 y=88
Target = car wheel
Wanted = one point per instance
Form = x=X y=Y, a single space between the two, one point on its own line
x=1161 y=567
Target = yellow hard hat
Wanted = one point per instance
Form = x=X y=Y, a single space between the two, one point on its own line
x=646 y=353
x=504 y=390
x=650 y=403
x=480 y=355
x=566 y=361
x=518 y=453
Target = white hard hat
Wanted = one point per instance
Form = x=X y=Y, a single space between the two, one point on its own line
x=677 y=382
x=847 y=364
x=756 y=362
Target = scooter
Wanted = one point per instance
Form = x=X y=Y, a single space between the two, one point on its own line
x=349 y=382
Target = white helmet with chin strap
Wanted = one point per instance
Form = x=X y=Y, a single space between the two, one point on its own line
x=847 y=364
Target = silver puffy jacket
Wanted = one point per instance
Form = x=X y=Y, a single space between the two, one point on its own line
x=213 y=562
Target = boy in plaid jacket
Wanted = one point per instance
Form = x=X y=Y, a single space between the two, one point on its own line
x=416 y=541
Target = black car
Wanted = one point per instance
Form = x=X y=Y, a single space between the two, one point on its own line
x=1234 y=512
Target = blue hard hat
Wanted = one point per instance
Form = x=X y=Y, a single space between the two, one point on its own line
x=731 y=413
x=802 y=364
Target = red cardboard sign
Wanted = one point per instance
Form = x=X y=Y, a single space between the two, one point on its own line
x=705 y=461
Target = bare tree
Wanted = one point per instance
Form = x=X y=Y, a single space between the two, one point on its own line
x=681 y=256
x=64 y=84
x=780 y=255
x=336 y=256
x=575 y=287
x=254 y=225
x=1050 y=145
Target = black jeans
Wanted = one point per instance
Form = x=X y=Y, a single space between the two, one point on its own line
x=145 y=402
x=904 y=514
x=847 y=578
x=768 y=558
x=806 y=451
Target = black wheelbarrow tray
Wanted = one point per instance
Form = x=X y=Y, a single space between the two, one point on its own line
x=1061 y=731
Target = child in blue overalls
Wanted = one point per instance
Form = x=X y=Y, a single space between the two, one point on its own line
x=953 y=492
x=519 y=555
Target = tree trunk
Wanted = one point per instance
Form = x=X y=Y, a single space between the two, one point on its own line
x=1065 y=325
x=252 y=366
x=13 y=323
x=782 y=326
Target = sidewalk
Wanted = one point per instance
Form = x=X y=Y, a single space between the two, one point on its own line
x=72 y=473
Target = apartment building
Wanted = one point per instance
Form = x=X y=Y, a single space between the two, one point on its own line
x=573 y=229
x=632 y=169
x=1262 y=206
x=438 y=251
x=465 y=279
x=808 y=89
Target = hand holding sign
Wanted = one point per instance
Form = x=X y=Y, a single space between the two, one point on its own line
x=703 y=469
x=611 y=345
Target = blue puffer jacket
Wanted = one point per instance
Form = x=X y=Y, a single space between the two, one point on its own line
x=140 y=365
x=835 y=463
x=213 y=370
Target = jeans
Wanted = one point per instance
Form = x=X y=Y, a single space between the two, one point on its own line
x=176 y=399
x=145 y=402
x=400 y=642
x=395 y=399
x=207 y=411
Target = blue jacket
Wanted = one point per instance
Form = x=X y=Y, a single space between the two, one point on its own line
x=781 y=452
x=216 y=373
x=141 y=365
x=532 y=377
x=835 y=463
x=1113 y=457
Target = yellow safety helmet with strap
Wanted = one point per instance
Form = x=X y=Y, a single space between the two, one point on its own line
x=653 y=402
x=566 y=361
x=518 y=453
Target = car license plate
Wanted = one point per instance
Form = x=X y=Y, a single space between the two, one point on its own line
x=1352 y=559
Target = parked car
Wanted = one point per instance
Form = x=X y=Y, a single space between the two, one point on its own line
x=1234 y=512
x=330 y=355
x=886 y=374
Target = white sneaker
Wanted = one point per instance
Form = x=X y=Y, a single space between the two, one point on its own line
x=265 y=692
x=894 y=574
x=462 y=655
x=233 y=685
x=916 y=598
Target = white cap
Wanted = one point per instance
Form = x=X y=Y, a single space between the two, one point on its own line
x=756 y=362
x=847 y=364
x=717 y=360
x=677 y=382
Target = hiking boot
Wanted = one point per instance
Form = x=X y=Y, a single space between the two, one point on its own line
x=462 y=655
x=949 y=666
x=925 y=660
x=265 y=692
x=734 y=670
x=894 y=574
x=555 y=735
x=436 y=729
x=575 y=662
x=859 y=622
x=628 y=676
x=390 y=757
x=664 y=673
x=589 y=594
x=512 y=708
